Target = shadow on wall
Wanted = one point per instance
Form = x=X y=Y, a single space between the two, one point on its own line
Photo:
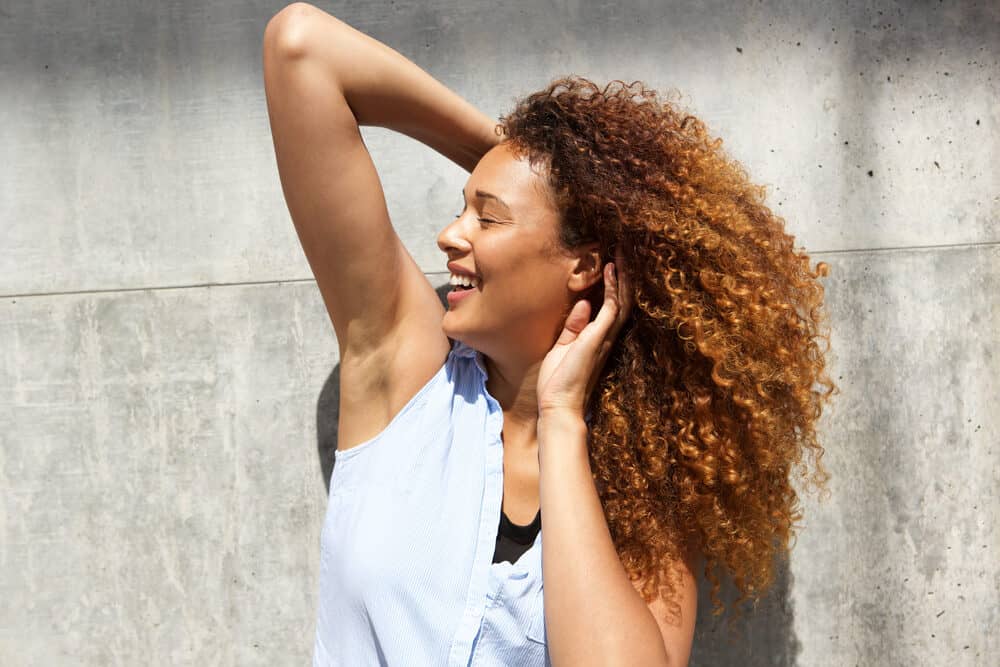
x=327 y=416
x=763 y=636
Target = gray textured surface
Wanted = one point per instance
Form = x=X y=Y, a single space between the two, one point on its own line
x=899 y=566
x=160 y=496
x=162 y=441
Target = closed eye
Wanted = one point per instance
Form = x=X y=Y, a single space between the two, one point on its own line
x=487 y=220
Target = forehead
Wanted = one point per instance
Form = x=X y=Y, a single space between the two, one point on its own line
x=511 y=178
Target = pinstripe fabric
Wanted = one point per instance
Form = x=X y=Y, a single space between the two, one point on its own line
x=406 y=571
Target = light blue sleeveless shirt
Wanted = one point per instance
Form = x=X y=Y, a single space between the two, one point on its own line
x=406 y=571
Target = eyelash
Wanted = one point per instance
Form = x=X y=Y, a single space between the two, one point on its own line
x=486 y=220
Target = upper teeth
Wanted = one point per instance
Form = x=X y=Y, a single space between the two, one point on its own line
x=467 y=281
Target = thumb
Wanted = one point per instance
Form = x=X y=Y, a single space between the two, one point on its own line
x=576 y=321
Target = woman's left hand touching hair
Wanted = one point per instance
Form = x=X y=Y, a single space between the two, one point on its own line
x=570 y=370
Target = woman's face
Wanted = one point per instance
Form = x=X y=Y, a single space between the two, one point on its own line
x=507 y=235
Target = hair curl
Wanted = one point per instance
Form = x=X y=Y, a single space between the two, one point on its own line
x=711 y=394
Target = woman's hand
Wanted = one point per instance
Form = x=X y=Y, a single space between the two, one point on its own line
x=570 y=370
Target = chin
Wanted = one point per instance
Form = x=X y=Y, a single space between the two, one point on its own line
x=461 y=335
x=449 y=331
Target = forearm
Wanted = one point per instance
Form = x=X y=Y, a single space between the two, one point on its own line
x=593 y=613
x=385 y=89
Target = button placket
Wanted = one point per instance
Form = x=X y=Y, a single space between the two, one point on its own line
x=483 y=579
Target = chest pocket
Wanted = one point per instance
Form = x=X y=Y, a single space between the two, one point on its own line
x=536 y=621
x=513 y=626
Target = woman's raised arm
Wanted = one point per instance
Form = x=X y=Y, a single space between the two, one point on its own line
x=323 y=79
x=382 y=87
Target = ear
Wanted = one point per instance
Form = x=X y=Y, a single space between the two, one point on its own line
x=587 y=268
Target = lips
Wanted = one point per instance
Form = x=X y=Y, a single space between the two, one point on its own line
x=456 y=295
x=455 y=268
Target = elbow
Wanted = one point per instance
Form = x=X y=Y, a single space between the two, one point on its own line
x=287 y=33
x=679 y=657
x=660 y=660
x=674 y=661
x=642 y=654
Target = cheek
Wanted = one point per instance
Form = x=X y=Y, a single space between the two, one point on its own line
x=535 y=290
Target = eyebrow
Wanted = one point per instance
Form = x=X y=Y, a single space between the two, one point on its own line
x=488 y=195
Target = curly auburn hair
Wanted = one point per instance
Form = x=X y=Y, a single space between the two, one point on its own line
x=711 y=394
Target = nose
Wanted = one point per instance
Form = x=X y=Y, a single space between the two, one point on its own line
x=452 y=240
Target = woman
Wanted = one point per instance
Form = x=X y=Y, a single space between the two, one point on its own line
x=629 y=349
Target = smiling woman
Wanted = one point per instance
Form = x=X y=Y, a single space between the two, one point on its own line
x=515 y=254
x=629 y=352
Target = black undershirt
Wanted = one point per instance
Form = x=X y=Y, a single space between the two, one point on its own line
x=513 y=539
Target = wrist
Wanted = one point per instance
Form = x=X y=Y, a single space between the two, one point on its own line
x=562 y=441
x=482 y=138
x=560 y=417
x=561 y=425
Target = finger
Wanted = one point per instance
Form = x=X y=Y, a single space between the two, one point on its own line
x=609 y=309
x=614 y=291
x=626 y=297
x=603 y=329
x=623 y=306
x=576 y=322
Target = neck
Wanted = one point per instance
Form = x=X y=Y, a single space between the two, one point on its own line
x=513 y=383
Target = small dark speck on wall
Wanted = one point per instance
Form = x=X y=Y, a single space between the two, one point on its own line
x=977 y=121
x=739 y=49
x=936 y=164
x=870 y=174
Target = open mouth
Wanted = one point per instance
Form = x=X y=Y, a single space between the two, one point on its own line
x=463 y=282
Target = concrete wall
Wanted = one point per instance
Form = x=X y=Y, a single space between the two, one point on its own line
x=168 y=383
